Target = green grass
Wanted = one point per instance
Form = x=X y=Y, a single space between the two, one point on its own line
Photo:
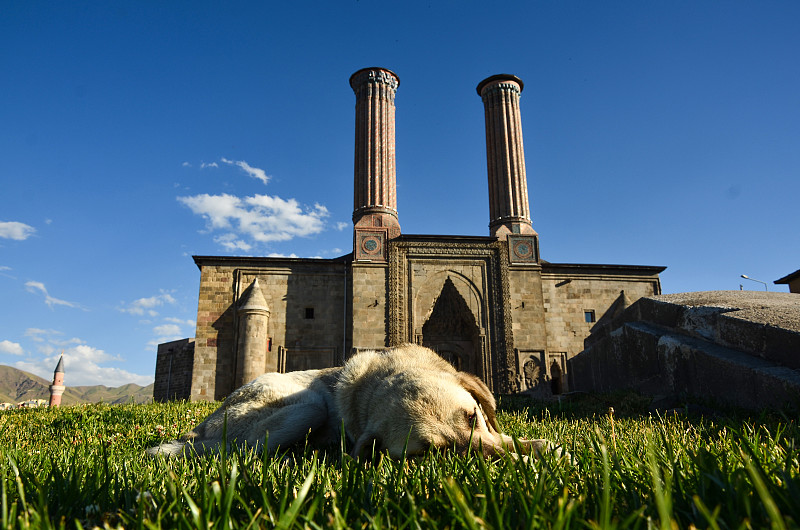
x=85 y=466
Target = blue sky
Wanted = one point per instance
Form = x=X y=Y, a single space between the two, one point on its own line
x=137 y=134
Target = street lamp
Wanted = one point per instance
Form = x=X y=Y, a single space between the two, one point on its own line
x=746 y=277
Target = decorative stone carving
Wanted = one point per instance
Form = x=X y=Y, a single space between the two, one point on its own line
x=491 y=256
x=523 y=249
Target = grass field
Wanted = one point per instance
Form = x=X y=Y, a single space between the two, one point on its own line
x=85 y=466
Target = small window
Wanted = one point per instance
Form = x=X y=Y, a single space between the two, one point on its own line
x=589 y=316
x=309 y=313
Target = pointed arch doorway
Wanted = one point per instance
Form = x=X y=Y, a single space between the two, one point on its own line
x=452 y=332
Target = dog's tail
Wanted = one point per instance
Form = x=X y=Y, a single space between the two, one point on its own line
x=173 y=448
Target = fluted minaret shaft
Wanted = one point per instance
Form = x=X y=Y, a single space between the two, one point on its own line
x=509 y=211
x=375 y=189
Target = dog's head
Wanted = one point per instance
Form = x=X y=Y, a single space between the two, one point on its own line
x=420 y=403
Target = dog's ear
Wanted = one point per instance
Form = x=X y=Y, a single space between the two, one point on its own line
x=482 y=395
x=366 y=442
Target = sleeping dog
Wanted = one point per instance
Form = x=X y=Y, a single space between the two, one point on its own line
x=402 y=399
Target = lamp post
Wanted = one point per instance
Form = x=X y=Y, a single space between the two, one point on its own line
x=746 y=277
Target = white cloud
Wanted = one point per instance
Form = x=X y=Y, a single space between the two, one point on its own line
x=11 y=348
x=167 y=330
x=84 y=365
x=254 y=172
x=261 y=218
x=203 y=165
x=182 y=322
x=147 y=305
x=15 y=230
x=231 y=242
x=171 y=330
x=51 y=301
x=341 y=225
x=186 y=164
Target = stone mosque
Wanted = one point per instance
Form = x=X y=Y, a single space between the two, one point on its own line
x=488 y=304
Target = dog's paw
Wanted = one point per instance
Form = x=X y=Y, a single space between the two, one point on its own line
x=173 y=448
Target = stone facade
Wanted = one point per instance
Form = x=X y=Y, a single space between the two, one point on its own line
x=489 y=305
x=174 y=366
x=740 y=348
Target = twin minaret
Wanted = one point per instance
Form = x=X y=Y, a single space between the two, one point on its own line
x=375 y=217
x=375 y=197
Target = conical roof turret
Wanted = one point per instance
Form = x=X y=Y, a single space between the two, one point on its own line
x=254 y=299
x=60 y=366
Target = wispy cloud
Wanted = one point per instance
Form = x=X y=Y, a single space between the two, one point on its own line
x=11 y=348
x=254 y=172
x=34 y=287
x=15 y=230
x=40 y=335
x=203 y=165
x=146 y=305
x=167 y=330
x=171 y=329
x=341 y=225
x=180 y=321
x=260 y=219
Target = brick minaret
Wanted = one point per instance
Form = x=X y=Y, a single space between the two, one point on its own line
x=509 y=212
x=375 y=196
x=57 y=388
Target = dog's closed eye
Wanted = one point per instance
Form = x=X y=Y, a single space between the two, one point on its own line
x=471 y=417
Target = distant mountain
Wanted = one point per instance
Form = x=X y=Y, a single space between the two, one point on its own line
x=16 y=386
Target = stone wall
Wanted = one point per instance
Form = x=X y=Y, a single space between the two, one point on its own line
x=369 y=309
x=307 y=327
x=174 y=362
x=571 y=291
x=733 y=347
x=215 y=333
x=528 y=326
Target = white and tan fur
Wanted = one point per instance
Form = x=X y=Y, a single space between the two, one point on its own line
x=405 y=398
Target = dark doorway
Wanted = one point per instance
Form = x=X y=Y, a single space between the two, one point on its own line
x=555 y=374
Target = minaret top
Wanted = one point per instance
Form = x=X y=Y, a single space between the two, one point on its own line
x=374 y=73
x=60 y=366
x=499 y=78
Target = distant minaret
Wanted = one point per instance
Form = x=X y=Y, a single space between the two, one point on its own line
x=57 y=388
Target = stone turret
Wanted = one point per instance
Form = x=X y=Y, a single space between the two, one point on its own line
x=253 y=316
x=57 y=388
x=375 y=187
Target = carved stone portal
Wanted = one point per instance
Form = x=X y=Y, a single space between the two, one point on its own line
x=452 y=332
